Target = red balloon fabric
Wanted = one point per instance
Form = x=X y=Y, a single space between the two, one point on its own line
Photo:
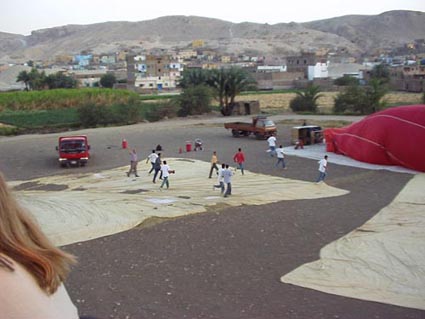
x=395 y=136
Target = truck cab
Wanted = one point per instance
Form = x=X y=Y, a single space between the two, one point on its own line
x=73 y=150
x=263 y=122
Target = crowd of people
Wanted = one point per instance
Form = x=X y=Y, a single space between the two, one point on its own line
x=224 y=173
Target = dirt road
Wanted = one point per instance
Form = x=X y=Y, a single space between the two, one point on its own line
x=225 y=263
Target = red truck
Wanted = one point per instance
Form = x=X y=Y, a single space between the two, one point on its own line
x=73 y=150
x=261 y=127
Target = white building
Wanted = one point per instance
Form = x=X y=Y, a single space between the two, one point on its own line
x=338 y=70
x=155 y=82
x=318 y=71
x=271 y=68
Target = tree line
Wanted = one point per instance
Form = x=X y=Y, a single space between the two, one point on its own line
x=357 y=97
x=36 y=80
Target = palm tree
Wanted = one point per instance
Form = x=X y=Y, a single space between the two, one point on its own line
x=37 y=80
x=218 y=81
x=193 y=77
x=237 y=80
x=374 y=92
x=306 y=100
x=23 y=76
x=226 y=84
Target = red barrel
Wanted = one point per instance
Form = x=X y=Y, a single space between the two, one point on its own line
x=188 y=146
x=124 y=143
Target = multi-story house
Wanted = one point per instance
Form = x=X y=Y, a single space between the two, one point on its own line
x=410 y=78
x=301 y=62
x=107 y=59
x=63 y=59
x=152 y=72
x=186 y=55
x=82 y=60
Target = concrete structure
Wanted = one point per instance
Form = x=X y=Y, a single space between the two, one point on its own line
x=271 y=68
x=187 y=54
x=301 y=62
x=276 y=80
x=108 y=59
x=82 y=60
x=198 y=43
x=87 y=78
x=152 y=72
x=246 y=107
x=410 y=78
x=317 y=71
x=338 y=70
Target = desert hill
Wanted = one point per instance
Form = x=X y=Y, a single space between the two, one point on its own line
x=356 y=34
x=386 y=30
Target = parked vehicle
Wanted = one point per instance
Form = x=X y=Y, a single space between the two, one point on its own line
x=73 y=150
x=306 y=135
x=261 y=127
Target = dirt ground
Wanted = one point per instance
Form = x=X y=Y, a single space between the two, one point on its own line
x=227 y=262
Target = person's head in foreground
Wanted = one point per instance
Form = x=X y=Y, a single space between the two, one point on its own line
x=32 y=269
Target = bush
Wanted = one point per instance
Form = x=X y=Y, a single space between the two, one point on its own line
x=154 y=111
x=124 y=114
x=346 y=81
x=361 y=99
x=108 y=80
x=6 y=130
x=306 y=101
x=91 y=115
x=349 y=101
x=194 y=100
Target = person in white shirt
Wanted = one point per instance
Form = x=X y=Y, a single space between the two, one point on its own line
x=280 y=157
x=165 y=169
x=220 y=178
x=152 y=158
x=323 y=165
x=272 y=145
x=227 y=179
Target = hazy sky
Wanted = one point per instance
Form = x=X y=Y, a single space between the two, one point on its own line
x=24 y=16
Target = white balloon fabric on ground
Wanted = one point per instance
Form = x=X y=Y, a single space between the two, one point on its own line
x=87 y=206
x=382 y=260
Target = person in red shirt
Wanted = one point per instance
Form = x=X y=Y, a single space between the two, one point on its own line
x=239 y=158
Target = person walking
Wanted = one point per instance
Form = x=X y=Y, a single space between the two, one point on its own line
x=227 y=179
x=272 y=145
x=133 y=163
x=323 y=167
x=280 y=157
x=157 y=168
x=214 y=162
x=220 y=178
x=152 y=158
x=165 y=169
x=239 y=158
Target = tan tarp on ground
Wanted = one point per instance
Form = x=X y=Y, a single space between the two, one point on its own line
x=383 y=260
x=80 y=207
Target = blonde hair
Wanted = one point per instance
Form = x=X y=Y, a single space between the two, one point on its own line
x=22 y=240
